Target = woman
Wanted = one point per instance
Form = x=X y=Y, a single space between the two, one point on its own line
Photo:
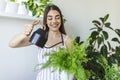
x=57 y=37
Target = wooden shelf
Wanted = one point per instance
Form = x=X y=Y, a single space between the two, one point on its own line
x=18 y=16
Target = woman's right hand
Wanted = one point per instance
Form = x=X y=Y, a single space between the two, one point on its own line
x=29 y=27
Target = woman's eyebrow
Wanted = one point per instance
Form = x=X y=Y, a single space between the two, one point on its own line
x=51 y=15
x=57 y=15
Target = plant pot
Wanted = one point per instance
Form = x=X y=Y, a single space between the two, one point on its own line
x=12 y=7
x=2 y=6
x=66 y=76
x=22 y=9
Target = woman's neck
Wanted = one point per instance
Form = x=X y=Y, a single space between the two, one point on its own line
x=54 y=34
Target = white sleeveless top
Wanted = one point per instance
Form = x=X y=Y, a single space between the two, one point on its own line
x=47 y=74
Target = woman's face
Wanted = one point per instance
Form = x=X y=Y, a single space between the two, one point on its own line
x=53 y=20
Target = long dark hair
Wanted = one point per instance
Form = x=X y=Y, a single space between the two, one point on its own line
x=47 y=9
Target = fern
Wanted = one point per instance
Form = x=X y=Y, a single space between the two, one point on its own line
x=70 y=60
x=111 y=72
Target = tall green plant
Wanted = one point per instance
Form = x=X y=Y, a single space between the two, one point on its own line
x=100 y=45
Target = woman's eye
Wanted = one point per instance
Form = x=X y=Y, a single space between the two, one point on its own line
x=49 y=18
x=57 y=17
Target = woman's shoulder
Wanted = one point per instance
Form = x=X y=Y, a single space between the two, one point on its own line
x=67 y=40
x=66 y=37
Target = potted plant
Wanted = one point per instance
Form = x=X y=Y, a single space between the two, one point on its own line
x=23 y=9
x=2 y=6
x=36 y=7
x=104 y=55
x=70 y=60
x=12 y=6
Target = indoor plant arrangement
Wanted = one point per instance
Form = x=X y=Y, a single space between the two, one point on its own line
x=93 y=59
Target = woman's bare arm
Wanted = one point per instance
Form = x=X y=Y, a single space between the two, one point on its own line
x=22 y=39
x=19 y=40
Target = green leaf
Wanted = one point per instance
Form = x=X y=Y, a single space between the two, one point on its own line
x=118 y=51
x=118 y=32
x=102 y=19
x=109 y=45
x=99 y=29
x=108 y=25
x=94 y=34
x=99 y=40
x=96 y=25
x=116 y=40
x=96 y=22
x=116 y=56
x=106 y=17
x=105 y=34
x=103 y=61
x=104 y=50
x=34 y=12
x=93 y=28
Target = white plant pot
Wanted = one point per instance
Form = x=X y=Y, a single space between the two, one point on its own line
x=23 y=10
x=12 y=7
x=2 y=6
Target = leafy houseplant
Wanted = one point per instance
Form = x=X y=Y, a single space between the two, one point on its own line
x=37 y=7
x=104 y=56
x=70 y=61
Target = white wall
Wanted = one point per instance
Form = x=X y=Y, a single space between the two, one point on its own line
x=80 y=13
x=18 y=64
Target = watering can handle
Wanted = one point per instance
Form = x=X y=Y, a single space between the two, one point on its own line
x=35 y=22
x=38 y=22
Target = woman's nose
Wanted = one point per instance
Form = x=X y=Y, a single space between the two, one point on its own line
x=53 y=20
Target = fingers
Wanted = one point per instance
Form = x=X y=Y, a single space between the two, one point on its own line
x=28 y=29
